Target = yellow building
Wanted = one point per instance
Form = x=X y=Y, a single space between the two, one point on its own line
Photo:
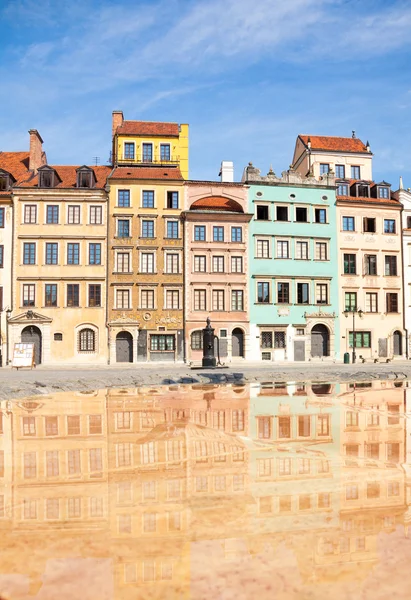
x=59 y=264
x=145 y=237
x=149 y=143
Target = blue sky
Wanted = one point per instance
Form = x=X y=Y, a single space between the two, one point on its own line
x=248 y=76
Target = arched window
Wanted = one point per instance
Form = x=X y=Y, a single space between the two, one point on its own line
x=87 y=340
x=197 y=340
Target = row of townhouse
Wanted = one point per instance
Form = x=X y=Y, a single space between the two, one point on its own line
x=124 y=263
x=142 y=476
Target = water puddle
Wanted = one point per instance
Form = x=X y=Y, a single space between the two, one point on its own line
x=193 y=492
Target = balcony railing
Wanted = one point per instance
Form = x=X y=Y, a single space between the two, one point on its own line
x=138 y=159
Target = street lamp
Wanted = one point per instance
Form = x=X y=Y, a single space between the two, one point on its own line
x=8 y=313
x=353 y=310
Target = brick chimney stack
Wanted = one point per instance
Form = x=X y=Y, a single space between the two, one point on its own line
x=37 y=156
x=118 y=119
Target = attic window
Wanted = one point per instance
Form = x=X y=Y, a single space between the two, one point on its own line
x=363 y=191
x=408 y=222
x=84 y=179
x=4 y=182
x=46 y=179
x=383 y=192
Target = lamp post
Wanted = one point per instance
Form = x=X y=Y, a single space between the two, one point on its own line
x=8 y=313
x=353 y=310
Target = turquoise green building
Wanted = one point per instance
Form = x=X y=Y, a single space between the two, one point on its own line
x=293 y=269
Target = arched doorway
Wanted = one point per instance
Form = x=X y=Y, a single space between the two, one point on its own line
x=237 y=341
x=124 y=347
x=32 y=335
x=320 y=341
x=397 y=343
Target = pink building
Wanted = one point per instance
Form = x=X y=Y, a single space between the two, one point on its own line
x=216 y=265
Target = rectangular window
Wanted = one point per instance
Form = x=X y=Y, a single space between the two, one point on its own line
x=362 y=339
x=52 y=215
x=147 y=152
x=30 y=214
x=304 y=426
x=321 y=293
x=355 y=172
x=94 y=295
x=162 y=343
x=348 y=223
x=172 y=229
x=73 y=294
x=238 y=420
x=323 y=425
x=389 y=226
x=237 y=300
x=371 y=302
x=2 y=220
x=94 y=424
x=124 y=198
x=279 y=339
x=263 y=248
x=74 y=508
x=321 y=251
x=262 y=213
x=264 y=428
x=1 y=257
x=283 y=293
x=383 y=192
x=29 y=426
x=30 y=465
x=284 y=466
x=236 y=234
x=73 y=254
x=320 y=215
x=392 y=303
x=129 y=150
x=393 y=452
x=29 y=292
x=123 y=262
x=123 y=452
x=200 y=264
x=370 y=264
x=340 y=171
x=147 y=229
x=369 y=225
x=123 y=420
x=172 y=299
x=148 y=199
x=301 y=250
x=29 y=253
x=123 y=228
x=199 y=300
x=147 y=299
x=73 y=425
x=303 y=293
x=283 y=249
x=301 y=214
x=218 y=299
x=165 y=152
x=172 y=200
x=30 y=508
x=94 y=254
x=284 y=427
x=350 y=267
x=281 y=213
x=342 y=189
x=263 y=292
x=51 y=426
x=218 y=264
x=96 y=215
x=199 y=233
x=50 y=294
x=96 y=462
x=147 y=262
x=172 y=263
x=123 y=299
x=350 y=301
x=391 y=265
x=324 y=168
x=218 y=234
x=52 y=508
x=266 y=339
x=52 y=253
x=236 y=264
x=74 y=215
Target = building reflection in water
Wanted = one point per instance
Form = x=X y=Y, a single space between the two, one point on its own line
x=187 y=491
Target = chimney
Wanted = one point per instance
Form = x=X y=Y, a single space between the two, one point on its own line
x=353 y=135
x=227 y=171
x=36 y=150
x=117 y=120
x=309 y=143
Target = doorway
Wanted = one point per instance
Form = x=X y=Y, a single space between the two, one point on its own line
x=124 y=347
x=237 y=340
x=320 y=341
x=397 y=343
x=32 y=335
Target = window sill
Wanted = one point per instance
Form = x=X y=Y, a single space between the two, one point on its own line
x=123 y=206
x=173 y=238
x=150 y=273
x=50 y=307
x=122 y=272
x=122 y=309
x=118 y=237
x=142 y=237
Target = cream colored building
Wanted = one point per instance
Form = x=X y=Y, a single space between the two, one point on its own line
x=59 y=263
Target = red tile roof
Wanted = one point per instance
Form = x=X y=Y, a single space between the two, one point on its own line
x=149 y=128
x=363 y=200
x=16 y=163
x=164 y=173
x=68 y=177
x=217 y=203
x=334 y=144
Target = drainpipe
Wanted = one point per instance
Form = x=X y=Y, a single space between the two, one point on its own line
x=107 y=189
x=183 y=217
x=403 y=287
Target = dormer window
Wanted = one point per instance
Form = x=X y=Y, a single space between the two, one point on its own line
x=342 y=189
x=46 y=179
x=363 y=191
x=4 y=182
x=85 y=177
x=383 y=192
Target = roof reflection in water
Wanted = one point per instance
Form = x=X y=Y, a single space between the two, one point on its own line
x=203 y=491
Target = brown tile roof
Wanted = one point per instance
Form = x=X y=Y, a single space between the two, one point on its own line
x=148 y=128
x=334 y=144
x=362 y=200
x=68 y=177
x=217 y=203
x=153 y=173
x=16 y=163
